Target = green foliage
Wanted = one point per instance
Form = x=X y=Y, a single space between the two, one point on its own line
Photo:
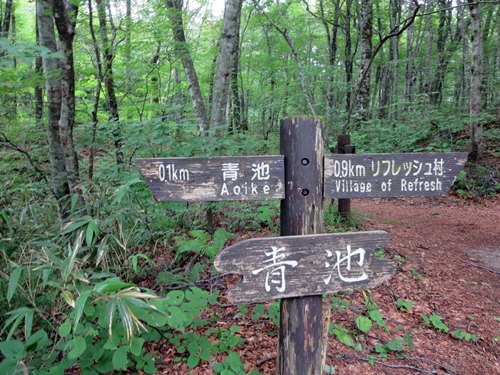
x=463 y=335
x=336 y=223
x=436 y=321
x=201 y=242
x=404 y=305
x=343 y=335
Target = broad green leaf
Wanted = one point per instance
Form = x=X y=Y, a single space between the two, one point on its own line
x=13 y=349
x=395 y=345
x=79 y=346
x=136 y=345
x=363 y=323
x=13 y=281
x=120 y=359
x=177 y=318
x=65 y=328
x=193 y=361
x=438 y=323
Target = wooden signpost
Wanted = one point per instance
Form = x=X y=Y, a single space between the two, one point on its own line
x=214 y=179
x=297 y=266
x=391 y=175
x=302 y=264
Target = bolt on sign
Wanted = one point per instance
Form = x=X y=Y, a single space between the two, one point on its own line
x=391 y=175
x=215 y=178
x=295 y=266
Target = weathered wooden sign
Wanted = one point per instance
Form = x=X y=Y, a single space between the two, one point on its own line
x=215 y=178
x=391 y=175
x=294 y=266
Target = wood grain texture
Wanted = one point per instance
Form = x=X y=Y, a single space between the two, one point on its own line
x=302 y=325
x=315 y=258
x=391 y=175
x=214 y=178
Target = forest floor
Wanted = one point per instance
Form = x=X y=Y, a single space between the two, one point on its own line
x=448 y=251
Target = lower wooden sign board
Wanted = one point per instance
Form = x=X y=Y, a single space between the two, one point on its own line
x=294 y=266
x=425 y=174
x=214 y=178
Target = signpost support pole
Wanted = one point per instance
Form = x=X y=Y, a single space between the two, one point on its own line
x=344 y=147
x=301 y=335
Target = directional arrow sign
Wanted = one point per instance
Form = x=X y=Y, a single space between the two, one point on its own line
x=391 y=175
x=294 y=266
x=214 y=179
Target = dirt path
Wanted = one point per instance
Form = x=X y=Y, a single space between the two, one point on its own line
x=448 y=253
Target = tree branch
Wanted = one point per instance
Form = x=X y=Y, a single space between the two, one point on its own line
x=396 y=31
x=8 y=143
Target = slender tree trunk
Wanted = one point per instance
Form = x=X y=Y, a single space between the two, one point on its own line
x=39 y=73
x=462 y=76
x=109 y=82
x=182 y=51
x=476 y=99
x=348 y=55
x=365 y=25
x=228 y=48
x=97 y=97
x=65 y=19
x=59 y=178
x=410 y=62
x=235 y=89
x=7 y=16
x=437 y=85
x=332 y=46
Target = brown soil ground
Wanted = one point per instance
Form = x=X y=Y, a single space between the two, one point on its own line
x=448 y=252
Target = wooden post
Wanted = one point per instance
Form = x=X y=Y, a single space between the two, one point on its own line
x=344 y=147
x=301 y=341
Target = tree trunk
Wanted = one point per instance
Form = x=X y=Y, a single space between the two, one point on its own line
x=65 y=19
x=365 y=25
x=39 y=73
x=6 y=19
x=226 y=58
x=437 y=85
x=348 y=55
x=59 y=178
x=97 y=97
x=109 y=82
x=462 y=77
x=182 y=51
x=476 y=100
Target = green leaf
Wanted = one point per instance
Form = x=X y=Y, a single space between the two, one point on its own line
x=395 y=345
x=234 y=361
x=111 y=285
x=12 y=349
x=8 y=366
x=363 y=323
x=177 y=317
x=376 y=316
x=438 y=323
x=120 y=359
x=136 y=346
x=404 y=305
x=193 y=361
x=65 y=328
x=79 y=306
x=13 y=281
x=79 y=346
